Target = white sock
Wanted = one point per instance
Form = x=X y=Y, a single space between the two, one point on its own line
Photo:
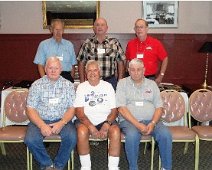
x=113 y=163
x=85 y=161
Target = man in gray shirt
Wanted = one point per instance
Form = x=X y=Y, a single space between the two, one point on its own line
x=140 y=107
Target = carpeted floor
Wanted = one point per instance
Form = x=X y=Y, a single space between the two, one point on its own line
x=16 y=157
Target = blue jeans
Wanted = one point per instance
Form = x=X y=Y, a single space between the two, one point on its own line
x=34 y=141
x=132 y=140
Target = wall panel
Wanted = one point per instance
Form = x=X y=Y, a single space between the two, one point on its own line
x=186 y=65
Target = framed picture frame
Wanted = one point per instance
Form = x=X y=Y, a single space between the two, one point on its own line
x=75 y=14
x=161 y=14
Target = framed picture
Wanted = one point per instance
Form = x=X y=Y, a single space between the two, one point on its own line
x=75 y=14
x=161 y=13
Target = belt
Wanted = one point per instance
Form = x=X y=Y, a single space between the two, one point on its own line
x=107 y=78
x=148 y=76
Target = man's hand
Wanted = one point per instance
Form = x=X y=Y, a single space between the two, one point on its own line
x=159 y=79
x=46 y=130
x=94 y=132
x=56 y=127
x=143 y=128
x=104 y=130
x=150 y=128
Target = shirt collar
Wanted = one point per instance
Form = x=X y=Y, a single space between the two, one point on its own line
x=145 y=41
x=143 y=84
x=61 y=42
x=105 y=40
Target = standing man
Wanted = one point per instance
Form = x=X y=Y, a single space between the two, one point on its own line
x=107 y=51
x=149 y=50
x=96 y=111
x=59 y=47
x=50 y=110
x=140 y=106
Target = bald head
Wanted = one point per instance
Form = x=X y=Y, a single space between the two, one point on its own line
x=100 y=27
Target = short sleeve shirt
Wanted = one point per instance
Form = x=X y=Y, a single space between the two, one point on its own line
x=141 y=100
x=107 y=53
x=64 y=50
x=96 y=100
x=150 y=51
x=51 y=100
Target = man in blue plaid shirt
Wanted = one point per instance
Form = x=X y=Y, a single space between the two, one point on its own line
x=50 y=110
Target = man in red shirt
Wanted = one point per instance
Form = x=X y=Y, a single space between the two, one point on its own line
x=149 y=50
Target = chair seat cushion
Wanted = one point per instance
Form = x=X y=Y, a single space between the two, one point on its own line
x=182 y=133
x=204 y=132
x=13 y=133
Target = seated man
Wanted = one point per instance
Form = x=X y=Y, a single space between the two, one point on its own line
x=140 y=106
x=96 y=112
x=50 y=108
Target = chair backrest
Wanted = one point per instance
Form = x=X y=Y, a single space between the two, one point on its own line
x=15 y=108
x=173 y=106
x=200 y=105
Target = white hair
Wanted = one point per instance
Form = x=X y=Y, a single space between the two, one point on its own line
x=136 y=61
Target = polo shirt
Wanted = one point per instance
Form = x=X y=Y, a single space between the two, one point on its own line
x=151 y=52
x=141 y=100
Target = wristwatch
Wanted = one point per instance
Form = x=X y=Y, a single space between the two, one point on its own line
x=162 y=74
x=108 y=122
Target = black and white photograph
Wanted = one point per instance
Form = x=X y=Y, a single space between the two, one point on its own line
x=161 y=13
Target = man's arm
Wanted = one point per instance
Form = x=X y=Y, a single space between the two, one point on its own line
x=81 y=70
x=155 y=119
x=73 y=71
x=121 y=69
x=36 y=119
x=110 y=118
x=68 y=115
x=164 y=64
x=129 y=117
x=84 y=119
x=41 y=70
x=113 y=115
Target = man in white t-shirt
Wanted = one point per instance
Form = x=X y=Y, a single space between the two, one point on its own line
x=96 y=112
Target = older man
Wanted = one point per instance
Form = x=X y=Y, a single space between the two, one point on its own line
x=149 y=50
x=96 y=112
x=50 y=108
x=57 y=46
x=107 y=51
x=140 y=106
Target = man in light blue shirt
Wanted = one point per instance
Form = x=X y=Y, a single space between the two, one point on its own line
x=59 y=47
x=50 y=111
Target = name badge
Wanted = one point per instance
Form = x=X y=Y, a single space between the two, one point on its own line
x=54 y=101
x=139 y=103
x=100 y=51
x=140 y=55
x=60 y=58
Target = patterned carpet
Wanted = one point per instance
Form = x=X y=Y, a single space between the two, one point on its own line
x=16 y=157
